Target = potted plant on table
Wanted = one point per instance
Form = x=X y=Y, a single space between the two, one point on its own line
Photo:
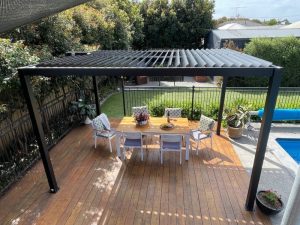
x=236 y=119
x=269 y=202
x=141 y=118
x=83 y=110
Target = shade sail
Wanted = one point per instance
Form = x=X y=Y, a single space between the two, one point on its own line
x=14 y=13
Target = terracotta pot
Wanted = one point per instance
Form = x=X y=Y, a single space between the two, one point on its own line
x=141 y=80
x=201 y=78
x=235 y=132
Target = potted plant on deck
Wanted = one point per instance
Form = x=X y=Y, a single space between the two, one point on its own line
x=269 y=202
x=83 y=110
x=236 y=119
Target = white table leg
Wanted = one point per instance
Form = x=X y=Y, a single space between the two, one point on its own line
x=118 y=144
x=187 y=146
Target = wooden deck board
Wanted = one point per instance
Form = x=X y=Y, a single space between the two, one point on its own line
x=97 y=188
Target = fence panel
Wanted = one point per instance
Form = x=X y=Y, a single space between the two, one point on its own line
x=197 y=100
x=18 y=147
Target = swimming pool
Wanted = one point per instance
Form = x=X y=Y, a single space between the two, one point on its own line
x=291 y=146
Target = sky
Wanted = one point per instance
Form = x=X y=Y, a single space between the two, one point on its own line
x=259 y=9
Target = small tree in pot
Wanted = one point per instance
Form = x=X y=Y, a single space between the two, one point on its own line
x=269 y=202
x=236 y=119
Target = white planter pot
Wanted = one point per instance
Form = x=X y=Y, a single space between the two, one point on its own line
x=87 y=121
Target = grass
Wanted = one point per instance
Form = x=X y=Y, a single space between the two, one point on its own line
x=113 y=106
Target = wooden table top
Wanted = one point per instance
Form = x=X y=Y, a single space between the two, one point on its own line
x=128 y=124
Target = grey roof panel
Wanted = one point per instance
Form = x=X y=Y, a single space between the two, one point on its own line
x=255 y=33
x=159 y=58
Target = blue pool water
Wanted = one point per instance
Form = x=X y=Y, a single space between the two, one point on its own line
x=291 y=146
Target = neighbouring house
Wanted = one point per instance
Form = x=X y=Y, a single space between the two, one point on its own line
x=241 y=34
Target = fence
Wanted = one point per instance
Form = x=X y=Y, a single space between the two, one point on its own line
x=194 y=100
x=18 y=147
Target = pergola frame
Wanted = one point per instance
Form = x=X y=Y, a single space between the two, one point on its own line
x=274 y=74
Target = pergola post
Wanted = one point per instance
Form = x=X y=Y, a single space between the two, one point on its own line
x=222 y=100
x=274 y=84
x=96 y=93
x=123 y=95
x=36 y=121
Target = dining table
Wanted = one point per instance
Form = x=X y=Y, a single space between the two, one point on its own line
x=154 y=127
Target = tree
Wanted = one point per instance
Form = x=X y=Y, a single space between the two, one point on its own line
x=181 y=24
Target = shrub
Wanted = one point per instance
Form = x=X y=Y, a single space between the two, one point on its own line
x=283 y=52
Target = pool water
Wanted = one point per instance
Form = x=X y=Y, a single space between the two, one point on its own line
x=291 y=146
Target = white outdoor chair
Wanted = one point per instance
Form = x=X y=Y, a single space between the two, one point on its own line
x=101 y=129
x=132 y=140
x=173 y=112
x=204 y=131
x=170 y=143
x=139 y=109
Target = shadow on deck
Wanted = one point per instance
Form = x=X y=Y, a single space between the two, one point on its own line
x=97 y=188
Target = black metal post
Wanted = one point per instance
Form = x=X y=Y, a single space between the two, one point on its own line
x=193 y=97
x=123 y=95
x=274 y=84
x=36 y=121
x=222 y=100
x=96 y=93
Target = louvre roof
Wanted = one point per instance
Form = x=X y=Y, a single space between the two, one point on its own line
x=152 y=62
x=160 y=58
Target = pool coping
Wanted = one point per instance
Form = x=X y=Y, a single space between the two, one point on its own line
x=281 y=154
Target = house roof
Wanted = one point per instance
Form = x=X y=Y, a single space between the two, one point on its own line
x=255 y=33
x=176 y=62
x=14 y=13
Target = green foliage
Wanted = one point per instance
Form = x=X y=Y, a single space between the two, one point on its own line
x=179 y=24
x=271 y=197
x=237 y=117
x=271 y=22
x=283 y=52
x=58 y=34
x=82 y=109
x=12 y=56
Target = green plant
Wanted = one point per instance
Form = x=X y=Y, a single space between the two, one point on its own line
x=82 y=109
x=237 y=117
x=271 y=197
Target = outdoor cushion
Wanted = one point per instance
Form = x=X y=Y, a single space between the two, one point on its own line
x=205 y=123
x=133 y=142
x=171 y=145
x=105 y=121
x=97 y=124
x=197 y=135
x=105 y=134
x=173 y=112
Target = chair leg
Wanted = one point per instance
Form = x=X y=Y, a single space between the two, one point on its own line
x=161 y=157
x=142 y=154
x=197 y=148
x=180 y=157
x=95 y=142
x=124 y=151
x=110 y=149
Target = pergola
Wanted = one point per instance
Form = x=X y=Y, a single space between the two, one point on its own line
x=210 y=62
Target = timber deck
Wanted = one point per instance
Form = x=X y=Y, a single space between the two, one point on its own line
x=97 y=188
